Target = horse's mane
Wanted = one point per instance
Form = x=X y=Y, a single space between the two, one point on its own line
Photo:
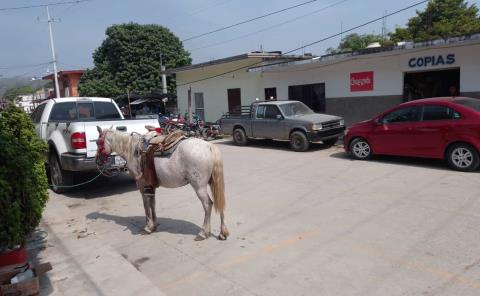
x=124 y=142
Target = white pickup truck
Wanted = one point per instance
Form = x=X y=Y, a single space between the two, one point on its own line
x=69 y=126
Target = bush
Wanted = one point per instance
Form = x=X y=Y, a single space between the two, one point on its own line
x=23 y=180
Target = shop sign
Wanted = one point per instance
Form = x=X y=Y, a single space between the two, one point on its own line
x=427 y=61
x=361 y=81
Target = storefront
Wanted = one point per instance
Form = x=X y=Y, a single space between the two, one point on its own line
x=355 y=86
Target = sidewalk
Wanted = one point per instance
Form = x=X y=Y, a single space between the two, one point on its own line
x=83 y=265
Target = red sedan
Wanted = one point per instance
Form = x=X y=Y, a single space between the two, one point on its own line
x=443 y=128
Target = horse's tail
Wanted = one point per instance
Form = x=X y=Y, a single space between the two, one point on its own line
x=217 y=184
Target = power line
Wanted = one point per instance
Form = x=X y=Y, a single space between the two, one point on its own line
x=23 y=66
x=357 y=27
x=272 y=27
x=43 y=5
x=309 y=44
x=248 y=20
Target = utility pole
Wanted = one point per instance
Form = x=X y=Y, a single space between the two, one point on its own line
x=54 y=57
x=164 y=76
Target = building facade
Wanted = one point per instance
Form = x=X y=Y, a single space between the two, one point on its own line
x=354 y=85
x=67 y=82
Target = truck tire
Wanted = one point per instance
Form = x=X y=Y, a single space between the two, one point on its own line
x=239 y=137
x=299 y=141
x=330 y=142
x=58 y=176
x=463 y=157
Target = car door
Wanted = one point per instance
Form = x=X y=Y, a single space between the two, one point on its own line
x=393 y=133
x=269 y=123
x=434 y=131
x=258 y=119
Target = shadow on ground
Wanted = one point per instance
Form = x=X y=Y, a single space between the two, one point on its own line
x=436 y=164
x=102 y=187
x=136 y=223
x=276 y=145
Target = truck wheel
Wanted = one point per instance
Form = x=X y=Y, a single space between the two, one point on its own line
x=299 y=142
x=330 y=142
x=58 y=176
x=239 y=137
x=463 y=157
x=360 y=149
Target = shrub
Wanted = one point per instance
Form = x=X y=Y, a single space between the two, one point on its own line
x=23 y=180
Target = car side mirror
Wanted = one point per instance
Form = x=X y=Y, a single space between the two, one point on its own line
x=279 y=116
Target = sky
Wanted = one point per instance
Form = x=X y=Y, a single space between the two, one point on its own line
x=25 y=49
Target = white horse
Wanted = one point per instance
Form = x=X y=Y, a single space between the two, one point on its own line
x=194 y=161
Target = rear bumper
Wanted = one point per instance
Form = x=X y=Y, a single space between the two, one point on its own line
x=77 y=162
x=316 y=136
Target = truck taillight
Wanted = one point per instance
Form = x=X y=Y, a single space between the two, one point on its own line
x=78 y=141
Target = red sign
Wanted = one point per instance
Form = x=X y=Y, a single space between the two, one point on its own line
x=361 y=81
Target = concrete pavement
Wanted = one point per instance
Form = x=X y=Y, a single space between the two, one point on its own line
x=314 y=223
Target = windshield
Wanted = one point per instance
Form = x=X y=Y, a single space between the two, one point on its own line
x=470 y=103
x=295 y=108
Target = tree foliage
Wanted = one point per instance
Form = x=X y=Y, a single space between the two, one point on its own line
x=129 y=59
x=354 y=42
x=23 y=180
x=14 y=92
x=440 y=20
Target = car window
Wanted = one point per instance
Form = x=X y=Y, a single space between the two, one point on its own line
x=271 y=112
x=105 y=111
x=405 y=114
x=260 y=112
x=85 y=111
x=64 y=112
x=473 y=104
x=37 y=113
x=437 y=112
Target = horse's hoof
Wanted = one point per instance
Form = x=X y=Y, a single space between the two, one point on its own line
x=221 y=236
x=149 y=230
x=200 y=237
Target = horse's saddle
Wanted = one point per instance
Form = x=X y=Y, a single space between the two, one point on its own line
x=155 y=145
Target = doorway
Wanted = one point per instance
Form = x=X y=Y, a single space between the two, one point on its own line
x=430 y=84
x=312 y=95
x=234 y=101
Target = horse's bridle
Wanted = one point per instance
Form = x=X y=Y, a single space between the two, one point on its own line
x=102 y=155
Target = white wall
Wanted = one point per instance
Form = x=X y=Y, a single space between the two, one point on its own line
x=389 y=69
x=215 y=90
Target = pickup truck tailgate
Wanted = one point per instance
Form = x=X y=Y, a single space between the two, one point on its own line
x=128 y=126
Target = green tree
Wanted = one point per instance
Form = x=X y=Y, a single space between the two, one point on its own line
x=129 y=58
x=353 y=42
x=23 y=180
x=440 y=20
x=14 y=92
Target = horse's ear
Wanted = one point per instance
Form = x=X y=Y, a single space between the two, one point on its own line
x=111 y=127
x=99 y=129
x=150 y=128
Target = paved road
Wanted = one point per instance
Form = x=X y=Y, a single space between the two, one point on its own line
x=314 y=223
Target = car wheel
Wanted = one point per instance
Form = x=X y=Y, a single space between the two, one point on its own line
x=330 y=142
x=360 y=149
x=239 y=137
x=463 y=157
x=58 y=176
x=299 y=142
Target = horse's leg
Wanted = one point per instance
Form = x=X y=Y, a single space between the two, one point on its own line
x=223 y=228
x=146 y=195
x=152 y=208
x=207 y=206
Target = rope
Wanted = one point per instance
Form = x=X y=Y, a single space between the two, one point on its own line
x=78 y=185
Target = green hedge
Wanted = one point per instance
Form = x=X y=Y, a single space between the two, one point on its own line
x=23 y=180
